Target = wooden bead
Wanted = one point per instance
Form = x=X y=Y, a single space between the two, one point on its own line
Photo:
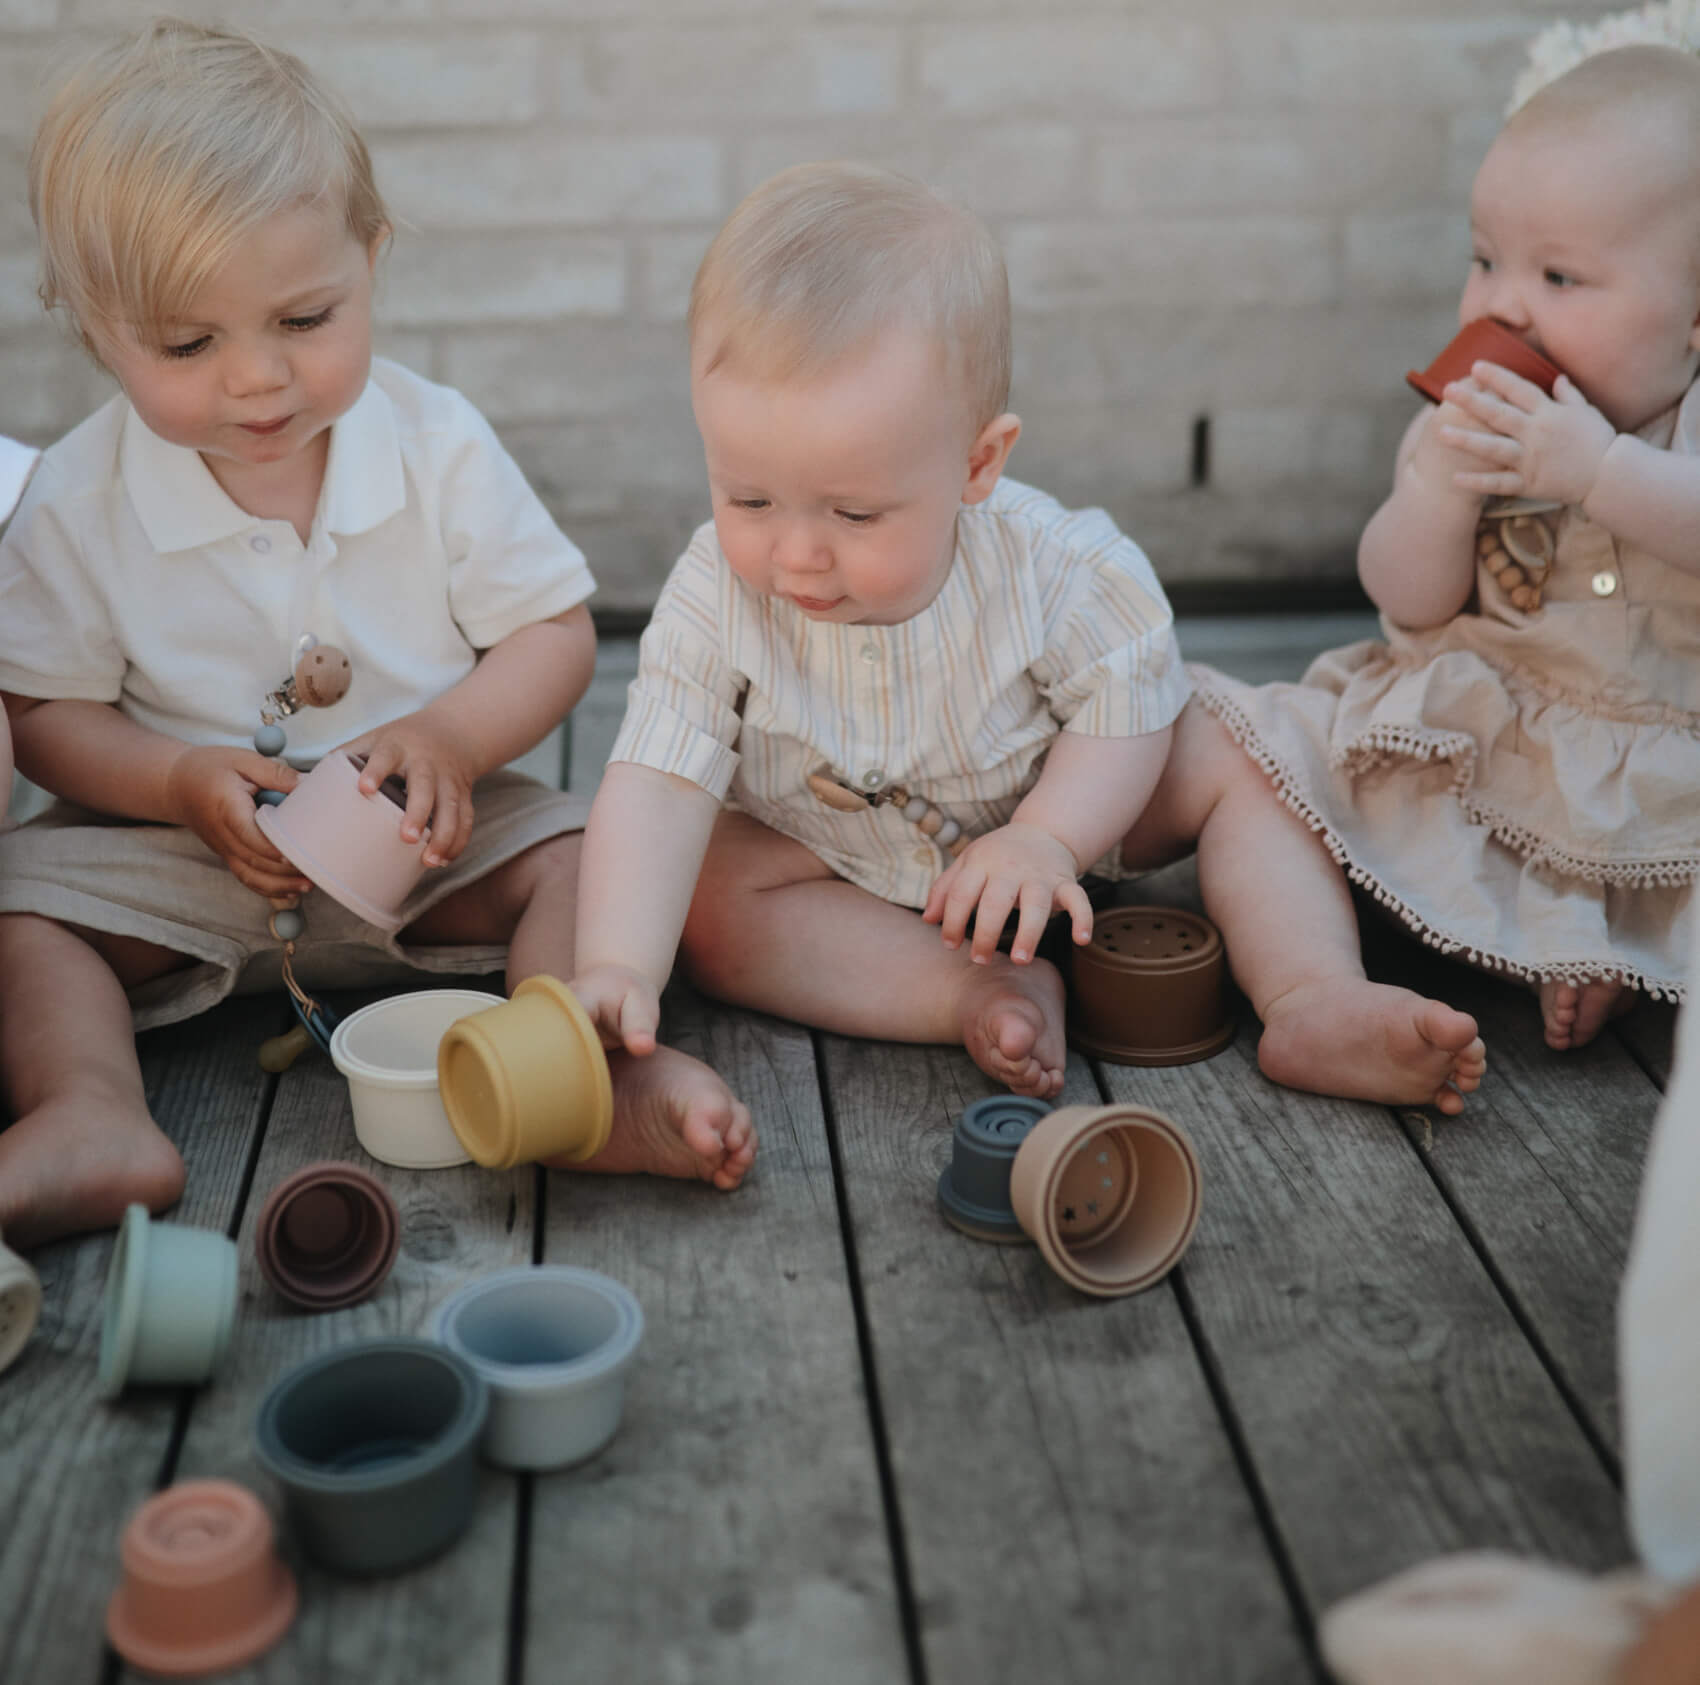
x=322 y=676
x=1526 y=597
x=832 y=794
x=1486 y=544
x=1510 y=577
x=932 y=824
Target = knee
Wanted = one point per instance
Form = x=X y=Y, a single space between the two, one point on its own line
x=704 y=942
x=548 y=868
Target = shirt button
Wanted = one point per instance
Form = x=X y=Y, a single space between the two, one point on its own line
x=260 y=543
x=874 y=777
x=923 y=857
x=870 y=654
x=1604 y=583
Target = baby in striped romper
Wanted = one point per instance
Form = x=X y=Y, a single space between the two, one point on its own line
x=886 y=688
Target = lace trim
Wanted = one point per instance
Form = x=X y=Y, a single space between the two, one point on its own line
x=1576 y=972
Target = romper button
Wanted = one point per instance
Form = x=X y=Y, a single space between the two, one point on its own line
x=923 y=857
x=1604 y=583
x=874 y=777
x=870 y=654
x=260 y=543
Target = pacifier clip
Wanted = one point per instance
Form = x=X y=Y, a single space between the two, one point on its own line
x=927 y=819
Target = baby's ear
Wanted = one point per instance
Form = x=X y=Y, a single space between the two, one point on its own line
x=988 y=454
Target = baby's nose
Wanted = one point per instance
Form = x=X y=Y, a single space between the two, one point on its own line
x=248 y=371
x=799 y=549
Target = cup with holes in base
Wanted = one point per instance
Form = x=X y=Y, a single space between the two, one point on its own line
x=327 y=1236
x=1483 y=341
x=20 y=1304
x=1111 y=1194
x=349 y=843
x=973 y=1188
x=1151 y=988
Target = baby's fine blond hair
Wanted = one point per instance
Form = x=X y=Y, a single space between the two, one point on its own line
x=1656 y=88
x=162 y=152
x=820 y=259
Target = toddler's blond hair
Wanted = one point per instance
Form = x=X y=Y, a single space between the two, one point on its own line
x=162 y=152
x=821 y=258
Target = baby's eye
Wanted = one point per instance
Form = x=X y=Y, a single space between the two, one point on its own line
x=855 y=517
x=189 y=348
x=1482 y=265
x=752 y=503
x=1557 y=278
x=306 y=324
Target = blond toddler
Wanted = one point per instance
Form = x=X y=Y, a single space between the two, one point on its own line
x=885 y=687
x=210 y=225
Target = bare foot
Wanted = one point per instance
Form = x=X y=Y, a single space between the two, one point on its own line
x=74 y=1163
x=1370 y=1041
x=674 y=1117
x=1012 y=1024
x=1574 y=1016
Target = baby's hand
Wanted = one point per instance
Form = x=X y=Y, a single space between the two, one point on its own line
x=1016 y=866
x=211 y=790
x=622 y=1004
x=1524 y=443
x=438 y=774
x=1437 y=461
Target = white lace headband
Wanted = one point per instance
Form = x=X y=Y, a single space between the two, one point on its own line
x=1563 y=46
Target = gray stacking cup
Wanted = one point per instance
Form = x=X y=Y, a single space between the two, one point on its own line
x=376 y=1448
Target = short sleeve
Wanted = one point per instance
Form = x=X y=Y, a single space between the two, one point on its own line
x=682 y=708
x=57 y=638
x=509 y=565
x=1111 y=665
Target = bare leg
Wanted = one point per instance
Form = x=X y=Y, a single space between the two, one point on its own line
x=772 y=927
x=673 y=1116
x=83 y=1145
x=1287 y=921
x=1574 y=1014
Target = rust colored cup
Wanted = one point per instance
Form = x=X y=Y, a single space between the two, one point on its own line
x=1483 y=341
x=1150 y=988
x=202 y=1589
x=327 y=1236
x=1111 y=1194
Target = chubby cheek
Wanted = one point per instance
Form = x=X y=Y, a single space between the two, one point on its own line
x=744 y=554
x=178 y=413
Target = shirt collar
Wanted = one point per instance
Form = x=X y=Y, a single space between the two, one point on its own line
x=182 y=507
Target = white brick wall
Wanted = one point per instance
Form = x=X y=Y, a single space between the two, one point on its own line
x=1235 y=210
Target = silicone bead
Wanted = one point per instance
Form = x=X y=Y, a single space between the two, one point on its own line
x=289 y=924
x=932 y=824
x=948 y=832
x=270 y=739
x=916 y=809
x=269 y=798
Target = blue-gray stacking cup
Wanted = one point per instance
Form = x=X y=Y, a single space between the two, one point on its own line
x=553 y=1343
x=974 y=1186
x=376 y=1448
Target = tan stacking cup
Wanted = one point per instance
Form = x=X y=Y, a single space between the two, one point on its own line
x=528 y=1079
x=1111 y=1195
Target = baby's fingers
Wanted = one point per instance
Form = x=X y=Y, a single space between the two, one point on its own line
x=639 y=1020
x=1493 y=448
x=451 y=824
x=996 y=904
x=1035 y=915
x=1486 y=484
x=1078 y=905
x=1518 y=394
x=959 y=904
x=421 y=798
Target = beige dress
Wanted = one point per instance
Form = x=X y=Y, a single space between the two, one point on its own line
x=1520 y=787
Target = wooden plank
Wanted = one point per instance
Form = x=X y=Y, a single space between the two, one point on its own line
x=1390 y=1403
x=1070 y=1502
x=733 y=1531
x=447 y=1620
x=71 y=1466
x=1649 y=1033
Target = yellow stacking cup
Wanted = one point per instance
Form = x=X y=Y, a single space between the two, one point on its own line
x=527 y=1080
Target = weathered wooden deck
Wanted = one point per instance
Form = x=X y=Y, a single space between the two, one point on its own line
x=861 y=1447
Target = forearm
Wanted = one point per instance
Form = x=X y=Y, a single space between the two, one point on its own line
x=1092 y=789
x=1417 y=556
x=643 y=849
x=521 y=689
x=1649 y=498
x=90 y=754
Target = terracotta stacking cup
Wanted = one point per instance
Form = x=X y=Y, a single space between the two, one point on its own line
x=973 y=1187
x=170 y=1304
x=553 y=1344
x=528 y=1079
x=1151 y=988
x=376 y=1448
x=1483 y=341
x=327 y=1236
x=348 y=843
x=20 y=1304
x=1110 y=1194
x=201 y=1587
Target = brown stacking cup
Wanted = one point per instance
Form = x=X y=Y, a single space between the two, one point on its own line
x=1483 y=341
x=1150 y=988
x=327 y=1236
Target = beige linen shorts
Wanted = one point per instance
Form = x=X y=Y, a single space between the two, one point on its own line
x=161 y=883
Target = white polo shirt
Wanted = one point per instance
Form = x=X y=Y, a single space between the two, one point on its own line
x=129 y=576
x=16 y=461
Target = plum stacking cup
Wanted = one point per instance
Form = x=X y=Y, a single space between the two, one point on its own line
x=553 y=1344
x=20 y=1305
x=1483 y=341
x=201 y=1587
x=327 y=1236
x=170 y=1304
x=973 y=1188
x=1150 y=988
x=528 y=1079
x=388 y=1052
x=376 y=1448
x=348 y=843
x=1110 y=1193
